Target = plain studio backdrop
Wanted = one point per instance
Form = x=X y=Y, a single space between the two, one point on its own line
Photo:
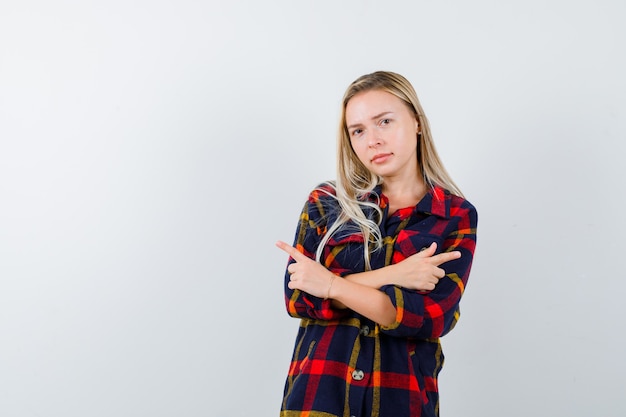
x=152 y=152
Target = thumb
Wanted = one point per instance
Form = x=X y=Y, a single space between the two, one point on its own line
x=429 y=251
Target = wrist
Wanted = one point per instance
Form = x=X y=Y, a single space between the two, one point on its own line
x=331 y=280
x=390 y=275
x=384 y=276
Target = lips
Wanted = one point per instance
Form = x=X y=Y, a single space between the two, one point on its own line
x=380 y=158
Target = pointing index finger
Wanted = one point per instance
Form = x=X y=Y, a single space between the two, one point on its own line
x=445 y=257
x=291 y=251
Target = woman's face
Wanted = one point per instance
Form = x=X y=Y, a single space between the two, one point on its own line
x=383 y=134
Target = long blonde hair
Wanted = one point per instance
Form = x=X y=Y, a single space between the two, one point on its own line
x=355 y=181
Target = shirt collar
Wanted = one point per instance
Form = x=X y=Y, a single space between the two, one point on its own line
x=435 y=202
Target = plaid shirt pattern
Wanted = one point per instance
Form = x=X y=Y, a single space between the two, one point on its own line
x=344 y=364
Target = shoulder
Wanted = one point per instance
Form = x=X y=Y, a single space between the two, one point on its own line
x=322 y=202
x=449 y=206
x=323 y=193
x=459 y=202
x=460 y=207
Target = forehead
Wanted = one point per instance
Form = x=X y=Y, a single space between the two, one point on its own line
x=368 y=104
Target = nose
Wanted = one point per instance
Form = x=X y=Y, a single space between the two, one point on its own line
x=374 y=139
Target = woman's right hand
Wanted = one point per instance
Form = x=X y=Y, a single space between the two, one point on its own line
x=421 y=271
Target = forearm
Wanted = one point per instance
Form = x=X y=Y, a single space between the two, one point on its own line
x=365 y=300
x=373 y=279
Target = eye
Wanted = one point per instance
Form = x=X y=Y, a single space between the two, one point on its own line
x=356 y=132
x=385 y=121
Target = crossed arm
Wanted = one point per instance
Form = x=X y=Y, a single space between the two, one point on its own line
x=360 y=292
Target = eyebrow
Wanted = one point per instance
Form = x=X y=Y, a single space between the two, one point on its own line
x=378 y=116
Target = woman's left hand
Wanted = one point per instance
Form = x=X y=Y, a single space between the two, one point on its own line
x=306 y=274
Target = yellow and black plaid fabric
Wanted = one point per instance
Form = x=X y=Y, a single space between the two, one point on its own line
x=343 y=363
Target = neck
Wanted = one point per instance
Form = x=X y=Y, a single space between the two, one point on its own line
x=403 y=193
x=404 y=189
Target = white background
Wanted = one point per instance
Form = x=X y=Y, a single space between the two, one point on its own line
x=152 y=152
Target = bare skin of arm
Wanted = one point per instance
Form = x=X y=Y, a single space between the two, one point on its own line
x=359 y=292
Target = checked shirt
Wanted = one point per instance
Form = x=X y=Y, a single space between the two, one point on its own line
x=344 y=364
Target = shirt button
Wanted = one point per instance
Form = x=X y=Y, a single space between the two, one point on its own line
x=358 y=375
x=365 y=330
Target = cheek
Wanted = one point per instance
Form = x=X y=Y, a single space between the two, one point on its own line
x=408 y=139
x=359 y=150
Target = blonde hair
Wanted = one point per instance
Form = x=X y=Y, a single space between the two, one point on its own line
x=355 y=181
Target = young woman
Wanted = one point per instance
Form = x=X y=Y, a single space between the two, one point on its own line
x=380 y=261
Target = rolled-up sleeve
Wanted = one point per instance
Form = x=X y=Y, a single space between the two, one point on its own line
x=433 y=314
x=310 y=231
